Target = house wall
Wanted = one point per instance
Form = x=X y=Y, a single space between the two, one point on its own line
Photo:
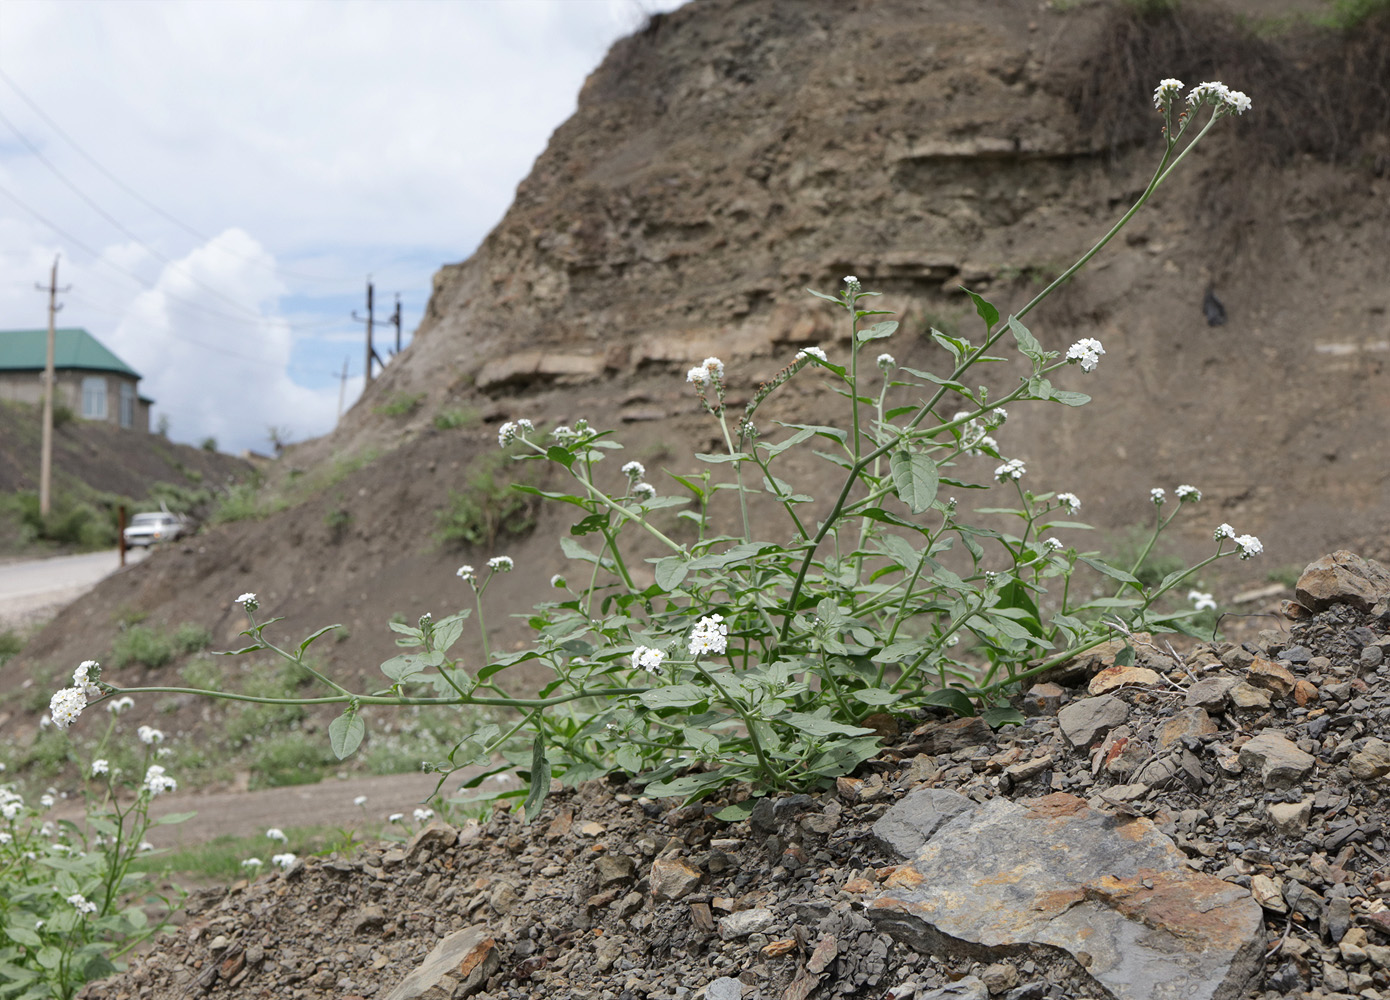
x=27 y=387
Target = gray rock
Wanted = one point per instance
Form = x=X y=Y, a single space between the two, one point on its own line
x=1372 y=760
x=969 y=988
x=672 y=878
x=1290 y=818
x=912 y=820
x=1343 y=578
x=615 y=870
x=1281 y=763
x=458 y=966
x=1086 y=721
x=741 y=923
x=1060 y=875
x=724 y=988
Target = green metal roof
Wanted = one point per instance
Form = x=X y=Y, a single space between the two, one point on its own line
x=27 y=350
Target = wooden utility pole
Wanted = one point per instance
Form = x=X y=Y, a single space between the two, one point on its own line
x=395 y=321
x=342 y=389
x=46 y=448
x=369 y=319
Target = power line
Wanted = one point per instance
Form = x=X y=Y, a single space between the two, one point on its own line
x=137 y=195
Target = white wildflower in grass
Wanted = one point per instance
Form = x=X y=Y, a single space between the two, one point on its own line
x=6 y=838
x=1249 y=546
x=252 y=863
x=84 y=678
x=811 y=352
x=1166 y=91
x=145 y=847
x=1224 y=531
x=1188 y=494
x=45 y=722
x=1069 y=502
x=10 y=803
x=275 y=833
x=46 y=800
x=421 y=815
x=66 y=706
x=1053 y=544
x=157 y=782
x=634 y=471
x=1012 y=469
x=642 y=492
x=851 y=280
x=395 y=817
x=80 y=904
x=1201 y=601
x=465 y=572
x=887 y=362
x=500 y=564
x=648 y=659
x=283 y=860
x=100 y=766
x=248 y=601
x=710 y=635
x=1087 y=351
x=506 y=434
x=120 y=705
x=1158 y=496
x=524 y=426
x=149 y=735
x=361 y=800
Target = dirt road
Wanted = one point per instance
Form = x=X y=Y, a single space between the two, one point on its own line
x=35 y=589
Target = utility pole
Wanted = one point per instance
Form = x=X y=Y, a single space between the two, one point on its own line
x=46 y=448
x=395 y=321
x=369 y=319
x=342 y=389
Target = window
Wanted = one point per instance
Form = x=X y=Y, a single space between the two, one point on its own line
x=94 y=398
x=127 y=405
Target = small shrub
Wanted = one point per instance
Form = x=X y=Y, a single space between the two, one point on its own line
x=202 y=673
x=62 y=415
x=448 y=420
x=10 y=645
x=488 y=508
x=337 y=520
x=151 y=647
x=289 y=759
x=401 y=404
x=208 y=444
x=191 y=637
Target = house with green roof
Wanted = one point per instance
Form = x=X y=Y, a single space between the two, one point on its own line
x=91 y=381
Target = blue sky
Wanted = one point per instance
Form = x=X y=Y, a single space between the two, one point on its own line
x=221 y=178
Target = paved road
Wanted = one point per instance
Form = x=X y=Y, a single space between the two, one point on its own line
x=37 y=588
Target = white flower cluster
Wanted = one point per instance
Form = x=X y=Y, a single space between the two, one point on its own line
x=149 y=735
x=974 y=436
x=513 y=429
x=101 y=766
x=465 y=572
x=275 y=833
x=809 y=352
x=852 y=282
x=1069 y=502
x=1053 y=544
x=248 y=601
x=710 y=635
x=11 y=803
x=66 y=705
x=501 y=564
x=1166 y=91
x=81 y=904
x=642 y=492
x=1158 y=496
x=1188 y=494
x=283 y=860
x=1220 y=96
x=422 y=815
x=634 y=471
x=157 y=782
x=1012 y=469
x=1087 y=351
x=648 y=659
x=1201 y=600
x=709 y=370
x=120 y=705
x=83 y=678
x=251 y=864
x=1249 y=545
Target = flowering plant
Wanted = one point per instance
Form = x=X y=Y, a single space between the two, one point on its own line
x=742 y=656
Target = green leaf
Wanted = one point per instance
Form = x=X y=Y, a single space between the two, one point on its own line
x=402 y=668
x=243 y=649
x=814 y=725
x=773 y=450
x=1110 y=571
x=670 y=572
x=950 y=698
x=737 y=812
x=562 y=455
x=1067 y=398
x=822 y=295
x=877 y=332
x=937 y=379
x=704 y=743
x=540 y=780
x=1039 y=387
x=737 y=456
x=345 y=733
x=305 y=644
x=888 y=517
x=590 y=524
x=1002 y=715
x=1027 y=344
x=448 y=630
x=24 y=936
x=914 y=479
x=843 y=756
x=986 y=311
x=876 y=697
x=629 y=758
x=574 y=550
x=687 y=785
x=169 y=819
x=674 y=696
x=1125 y=657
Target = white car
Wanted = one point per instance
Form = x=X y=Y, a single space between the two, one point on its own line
x=156 y=526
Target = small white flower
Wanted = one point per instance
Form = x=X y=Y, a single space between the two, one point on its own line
x=157 y=782
x=1201 y=601
x=1188 y=494
x=1069 y=501
x=120 y=705
x=145 y=845
x=710 y=635
x=697 y=375
x=361 y=800
x=643 y=492
x=46 y=800
x=500 y=564
x=634 y=471
x=714 y=366
x=82 y=678
x=887 y=362
x=1249 y=546
x=248 y=601
x=395 y=817
x=1087 y=351
x=283 y=860
x=1166 y=91
x=421 y=815
x=1237 y=101
x=100 y=766
x=45 y=722
x=6 y=838
x=557 y=581
x=252 y=863
x=506 y=434
x=1213 y=92
x=812 y=352
x=1157 y=496
x=275 y=833
x=66 y=706
x=80 y=904
x=465 y=573
x=648 y=659
x=1012 y=469
x=851 y=280
x=1224 y=531
x=149 y=735
x=1053 y=544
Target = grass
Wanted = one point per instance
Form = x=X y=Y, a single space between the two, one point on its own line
x=153 y=647
x=220 y=860
x=402 y=404
x=486 y=509
x=10 y=645
x=453 y=418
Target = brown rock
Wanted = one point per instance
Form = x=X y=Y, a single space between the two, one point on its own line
x=1343 y=578
x=1273 y=677
x=1190 y=722
x=1304 y=693
x=1248 y=696
x=458 y=966
x=672 y=878
x=433 y=839
x=1113 y=678
x=1043 y=699
x=948 y=737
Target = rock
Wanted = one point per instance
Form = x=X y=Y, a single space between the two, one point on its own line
x=1190 y=723
x=999 y=977
x=1337 y=918
x=1353 y=946
x=1083 y=722
x=368 y=918
x=741 y=923
x=1281 y=764
x=1248 y=696
x=1113 y=678
x=672 y=878
x=1059 y=875
x=1343 y=578
x=615 y=870
x=1210 y=693
x=458 y=966
x=1043 y=699
x=1275 y=679
x=969 y=988
x=1268 y=893
x=1372 y=760
x=1305 y=692
x=911 y=821
x=438 y=836
x=724 y=988
x=1290 y=818
x=948 y=737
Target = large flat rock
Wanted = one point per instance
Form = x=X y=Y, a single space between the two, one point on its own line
x=1112 y=892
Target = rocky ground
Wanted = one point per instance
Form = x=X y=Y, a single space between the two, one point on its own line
x=1199 y=824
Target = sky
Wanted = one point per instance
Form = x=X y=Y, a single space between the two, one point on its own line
x=219 y=180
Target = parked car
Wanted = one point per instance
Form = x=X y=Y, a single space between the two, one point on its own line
x=155 y=526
